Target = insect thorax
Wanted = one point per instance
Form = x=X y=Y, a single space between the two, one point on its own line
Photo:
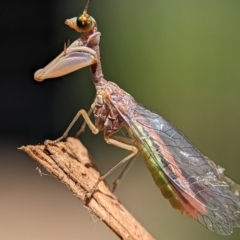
x=106 y=114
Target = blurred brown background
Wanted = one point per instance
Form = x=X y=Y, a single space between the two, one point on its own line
x=179 y=58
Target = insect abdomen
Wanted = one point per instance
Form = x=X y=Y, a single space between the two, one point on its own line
x=162 y=182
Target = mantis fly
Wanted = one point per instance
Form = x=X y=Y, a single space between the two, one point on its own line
x=191 y=182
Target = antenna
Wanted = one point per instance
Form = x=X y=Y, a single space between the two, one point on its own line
x=86 y=7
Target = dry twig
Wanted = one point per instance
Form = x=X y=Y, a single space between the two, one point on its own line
x=69 y=162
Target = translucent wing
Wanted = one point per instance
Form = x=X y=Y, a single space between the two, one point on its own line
x=195 y=178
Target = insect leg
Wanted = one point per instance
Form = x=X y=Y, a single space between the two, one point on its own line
x=128 y=141
x=83 y=126
x=117 y=182
x=87 y=120
x=120 y=144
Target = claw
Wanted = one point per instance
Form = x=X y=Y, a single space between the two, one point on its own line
x=71 y=59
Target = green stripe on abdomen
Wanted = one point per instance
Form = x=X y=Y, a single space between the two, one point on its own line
x=155 y=169
x=161 y=180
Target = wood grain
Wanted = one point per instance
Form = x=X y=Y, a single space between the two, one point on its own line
x=69 y=162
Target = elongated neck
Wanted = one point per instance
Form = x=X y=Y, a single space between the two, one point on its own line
x=96 y=69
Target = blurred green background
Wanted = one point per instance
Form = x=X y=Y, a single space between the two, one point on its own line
x=179 y=58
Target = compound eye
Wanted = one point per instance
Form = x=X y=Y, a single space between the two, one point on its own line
x=85 y=22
